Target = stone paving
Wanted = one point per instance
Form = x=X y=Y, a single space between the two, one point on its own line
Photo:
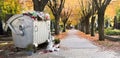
x=75 y=47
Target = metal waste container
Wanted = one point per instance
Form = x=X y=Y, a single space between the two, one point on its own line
x=27 y=29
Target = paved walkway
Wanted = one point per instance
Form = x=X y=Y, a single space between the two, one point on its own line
x=74 y=47
x=73 y=41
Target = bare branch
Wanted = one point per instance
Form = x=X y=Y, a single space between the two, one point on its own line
x=100 y=3
x=106 y=3
x=51 y=7
x=82 y=7
x=61 y=6
x=66 y=14
x=97 y=4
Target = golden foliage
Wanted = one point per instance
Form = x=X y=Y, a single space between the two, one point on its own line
x=10 y=7
x=111 y=9
x=27 y=5
x=74 y=5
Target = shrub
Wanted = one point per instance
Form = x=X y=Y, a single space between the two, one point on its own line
x=57 y=41
x=112 y=32
x=9 y=7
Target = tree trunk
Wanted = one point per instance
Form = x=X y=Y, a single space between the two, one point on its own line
x=56 y=25
x=1 y=27
x=119 y=26
x=64 y=28
x=39 y=5
x=101 y=24
x=115 y=22
x=82 y=26
x=79 y=26
x=92 y=26
x=87 y=26
x=52 y=25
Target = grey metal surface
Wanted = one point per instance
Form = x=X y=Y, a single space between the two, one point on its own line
x=26 y=30
x=22 y=37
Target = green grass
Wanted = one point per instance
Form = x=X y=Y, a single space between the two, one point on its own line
x=110 y=31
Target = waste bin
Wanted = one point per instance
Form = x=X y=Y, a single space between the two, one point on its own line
x=27 y=29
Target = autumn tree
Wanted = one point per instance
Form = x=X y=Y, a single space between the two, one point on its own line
x=9 y=7
x=56 y=7
x=82 y=14
x=93 y=17
x=101 y=7
x=117 y=20
x=65 y=16
x=93 y=25
x=39 y=5
x=86 y=10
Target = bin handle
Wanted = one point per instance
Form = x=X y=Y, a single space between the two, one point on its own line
x=14 y=31
x=21 y=27
x=12 y=28
x=11 y=20
x=9 y=23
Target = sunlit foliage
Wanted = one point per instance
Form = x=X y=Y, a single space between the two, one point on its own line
x=9 y=7
x=118 y=15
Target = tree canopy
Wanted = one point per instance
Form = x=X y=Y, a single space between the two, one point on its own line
x=9 y=7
